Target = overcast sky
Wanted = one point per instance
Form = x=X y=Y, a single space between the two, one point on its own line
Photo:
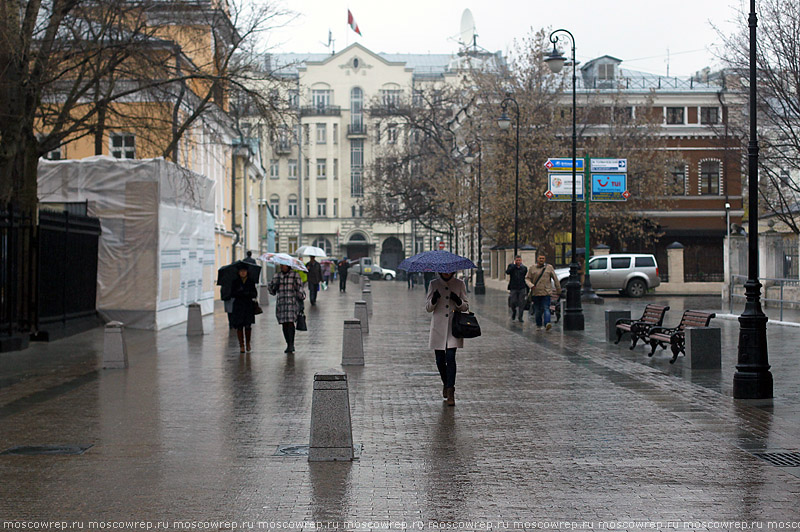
x=640 y=32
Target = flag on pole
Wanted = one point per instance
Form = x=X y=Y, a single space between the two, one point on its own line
x=352 y=22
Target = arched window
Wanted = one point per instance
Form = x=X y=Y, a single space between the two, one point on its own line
x=358 y=237
x=356 y=108
x=324 y=244
x=292 y=206
x=275 y=204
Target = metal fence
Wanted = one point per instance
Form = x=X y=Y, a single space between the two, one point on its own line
x=783 y=294
x=17 y=283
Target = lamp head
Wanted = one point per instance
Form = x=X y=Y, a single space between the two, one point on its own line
x=504 y=122
x=555 y=60
x=469 y=158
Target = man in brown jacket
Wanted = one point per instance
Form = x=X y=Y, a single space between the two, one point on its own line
x=538 y=280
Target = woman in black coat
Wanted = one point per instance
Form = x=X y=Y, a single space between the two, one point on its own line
x=243 y=292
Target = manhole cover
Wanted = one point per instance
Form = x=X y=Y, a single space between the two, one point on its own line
x=781 y=459
x=423 y=374
x=29 y=450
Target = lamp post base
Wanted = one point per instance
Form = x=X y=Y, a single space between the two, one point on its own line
x=573 y=314
x=752 y=379
x=480 y=287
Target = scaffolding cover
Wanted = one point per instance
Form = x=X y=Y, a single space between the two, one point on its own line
x=156 y=252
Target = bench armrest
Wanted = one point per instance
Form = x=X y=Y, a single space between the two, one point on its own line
x=627 y=321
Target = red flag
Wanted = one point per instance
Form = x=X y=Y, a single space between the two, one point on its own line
x=352 y=22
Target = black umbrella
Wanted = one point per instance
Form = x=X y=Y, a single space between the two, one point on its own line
x=227 y=274
x=579 y=252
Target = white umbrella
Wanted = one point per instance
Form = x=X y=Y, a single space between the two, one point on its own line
x=310 y=251
x=283 y=258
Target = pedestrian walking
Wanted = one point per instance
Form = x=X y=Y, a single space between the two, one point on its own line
x=326 y=273
x=249 y=258
x=243 y=293
x=446 y=295
x=344 y=265
x=288 y=288
x=427 y=277
x=517 y=288
x=314 y=278
x=539 y=280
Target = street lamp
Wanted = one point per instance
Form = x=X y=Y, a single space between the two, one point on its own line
x=504 y=122
x=573 y=316
x=752 y=379
x=480 y=286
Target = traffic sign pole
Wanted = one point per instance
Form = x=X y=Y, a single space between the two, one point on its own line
x=588 y=293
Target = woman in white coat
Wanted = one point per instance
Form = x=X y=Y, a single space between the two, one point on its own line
x=445 y=296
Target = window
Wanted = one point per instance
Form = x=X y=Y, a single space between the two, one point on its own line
x=306 y=133
x=357 y=212
x=336 y=133
x=294 y=99
x=322 y=207
x=292 y=168
x=322 y=134
x=324 y=244
x=322 y=168
x=391 y=97
x=709 y=178
x=53 y=155
x=274 y=169
x=292 y=247
x=275 y=205
x=356 y=167
x=598 y=264
x=123 y=146
x=620 y=263
x=645 y=262
x=391 y=134
x=308 y=168
x=709 y=115
x=417 y=98
x=623 y=114
x=356 y=108
x=674 y=115
x=308 y=207
x=336 y=168
x=605 y=72
x=335 y=207
x=321 y=98
x=292 y=206
x=676 y=183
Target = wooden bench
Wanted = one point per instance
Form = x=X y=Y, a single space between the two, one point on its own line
x=653 y=316
x=676 y=336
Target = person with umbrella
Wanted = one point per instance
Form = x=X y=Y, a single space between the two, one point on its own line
x=286 y=284
x=446 y=295
x=225 y=277
x=243 y=292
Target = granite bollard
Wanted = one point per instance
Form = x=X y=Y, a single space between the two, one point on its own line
x=362 y=315
x=366 y=295
x=194 y=321
x=612 y=315
x=115 y=350
x=352 y=343
x=331 y=430
x=704 y=347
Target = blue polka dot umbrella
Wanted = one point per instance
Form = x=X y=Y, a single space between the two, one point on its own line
x=438 y=261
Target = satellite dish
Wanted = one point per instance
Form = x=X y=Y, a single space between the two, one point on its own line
x=467 y=28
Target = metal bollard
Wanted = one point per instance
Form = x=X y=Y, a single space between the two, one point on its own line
x=331 y=430
x=194 y=320
x=362 y=315
x=366 y=295
x=115 y=350
x=352 y=343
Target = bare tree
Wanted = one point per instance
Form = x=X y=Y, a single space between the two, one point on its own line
x=74 y=68
x=778 y=100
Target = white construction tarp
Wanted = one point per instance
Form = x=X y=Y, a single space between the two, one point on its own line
x=156 y=252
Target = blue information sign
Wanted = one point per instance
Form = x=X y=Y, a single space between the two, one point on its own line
x=610 y=187
x=563 y=164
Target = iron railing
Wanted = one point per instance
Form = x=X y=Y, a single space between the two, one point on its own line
x=786 y=290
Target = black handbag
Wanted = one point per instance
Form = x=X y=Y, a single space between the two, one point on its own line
x=465 y=325
x=300 y=323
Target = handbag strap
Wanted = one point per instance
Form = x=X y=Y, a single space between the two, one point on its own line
x=540 y=275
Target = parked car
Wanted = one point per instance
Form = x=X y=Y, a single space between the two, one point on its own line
x=630 y=273
x=372 y=270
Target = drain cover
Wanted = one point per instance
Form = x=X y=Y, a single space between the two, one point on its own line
x=30 y=450
x=781 y=459
x=291 y=450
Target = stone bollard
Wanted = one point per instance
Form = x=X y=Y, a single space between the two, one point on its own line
x=331 y=430
x=115 y=351
x=194 y=321
x=352 y=343
x=366 y=295
x=612 y=316
x=263 y=295
x=362 y=315
x=704 y=347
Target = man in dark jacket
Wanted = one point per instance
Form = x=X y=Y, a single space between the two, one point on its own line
x=342 y=268
x=516 y=285
x=314 y=278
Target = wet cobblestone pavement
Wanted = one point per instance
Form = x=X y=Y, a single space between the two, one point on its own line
x=548 y=427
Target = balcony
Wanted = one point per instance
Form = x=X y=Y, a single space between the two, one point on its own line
x=282 y=148
x=389 y=109
x=321 y=110
x=357 y=131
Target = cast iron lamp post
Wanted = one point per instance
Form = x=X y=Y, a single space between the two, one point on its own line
x=480 y=286
x=505 y=122
x=752 y=379
x=573 y=316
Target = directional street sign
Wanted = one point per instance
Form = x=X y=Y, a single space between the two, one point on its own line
x=563 y=164
x=609 y=165
x=561 y=186
x=610 y=187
